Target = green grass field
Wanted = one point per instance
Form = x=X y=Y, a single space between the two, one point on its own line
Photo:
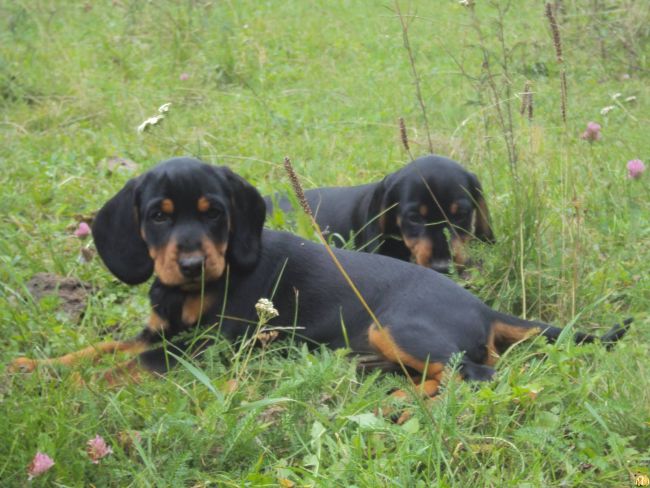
x=324 y=83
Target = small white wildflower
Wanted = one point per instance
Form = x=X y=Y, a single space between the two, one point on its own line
x=616 y=96
x=630 y=99
x=149 y=122
x=265 y=310
x=466 y=3
x=608 y=109
x=164 y=108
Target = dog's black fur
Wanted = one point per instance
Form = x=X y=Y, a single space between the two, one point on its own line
x=200 y=229
x=407 y=214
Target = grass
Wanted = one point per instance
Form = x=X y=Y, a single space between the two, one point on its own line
x=325 y=83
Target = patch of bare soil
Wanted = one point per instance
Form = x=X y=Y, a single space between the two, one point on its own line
x=73 y=293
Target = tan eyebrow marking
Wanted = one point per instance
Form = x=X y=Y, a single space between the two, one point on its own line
x=167 y=206
x=203 y=204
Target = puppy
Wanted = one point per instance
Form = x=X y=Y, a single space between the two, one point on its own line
x=408 y=214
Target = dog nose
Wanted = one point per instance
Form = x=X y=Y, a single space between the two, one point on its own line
x=191 y=266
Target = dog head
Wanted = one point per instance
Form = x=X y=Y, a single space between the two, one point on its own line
x=183 y=220
x=426 y=201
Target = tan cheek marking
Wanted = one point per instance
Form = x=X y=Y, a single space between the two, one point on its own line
x=453 y=209
x=421 y=250
x=424 y=211
x=203 y=204
x=194 y=306
x=167 y=206
x=215 y=258
x=166 y=264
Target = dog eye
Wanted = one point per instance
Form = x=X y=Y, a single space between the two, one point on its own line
x=213 y=213
x=415 y=218
x=159 y=217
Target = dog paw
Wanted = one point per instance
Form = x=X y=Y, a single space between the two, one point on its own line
x=22 y=365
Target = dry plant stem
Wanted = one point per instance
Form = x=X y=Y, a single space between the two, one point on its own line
x=297 y=188
x=524 y=100
x=527 y=101
x=414 y=71
x=557 y=42
x=522 y=269
x=404 y=136
x=505 y=66
x=577 y=249
x=505 y=120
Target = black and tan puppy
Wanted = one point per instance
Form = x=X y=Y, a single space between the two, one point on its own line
x=407 y=214
x=199 y=229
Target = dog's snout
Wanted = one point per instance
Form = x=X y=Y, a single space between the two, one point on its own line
x=191 y=266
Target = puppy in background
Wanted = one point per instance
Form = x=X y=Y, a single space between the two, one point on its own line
x=425 y=212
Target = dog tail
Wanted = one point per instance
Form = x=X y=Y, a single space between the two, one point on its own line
x=508 y=329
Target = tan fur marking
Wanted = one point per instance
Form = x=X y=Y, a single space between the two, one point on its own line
x=194 y=306
x=166 y=261
x=165 y=264
x=383 y=342
x=421 y=250
x=203 y=204
x=505 y=335
x=157 y=323
x=424 y=211
x=453 y=209
x=167 y=206
x=215 y=258
x=459 y=248
x=492 y=354
x=91 y=352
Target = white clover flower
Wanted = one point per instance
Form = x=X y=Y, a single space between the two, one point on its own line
x=151 y=121
x=265 y=310
x=608 y=109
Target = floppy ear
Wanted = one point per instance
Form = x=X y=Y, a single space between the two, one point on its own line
x=376 y=212
x=382 y=208
x=117 y=237
x=483 y=230
x=247 y=213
